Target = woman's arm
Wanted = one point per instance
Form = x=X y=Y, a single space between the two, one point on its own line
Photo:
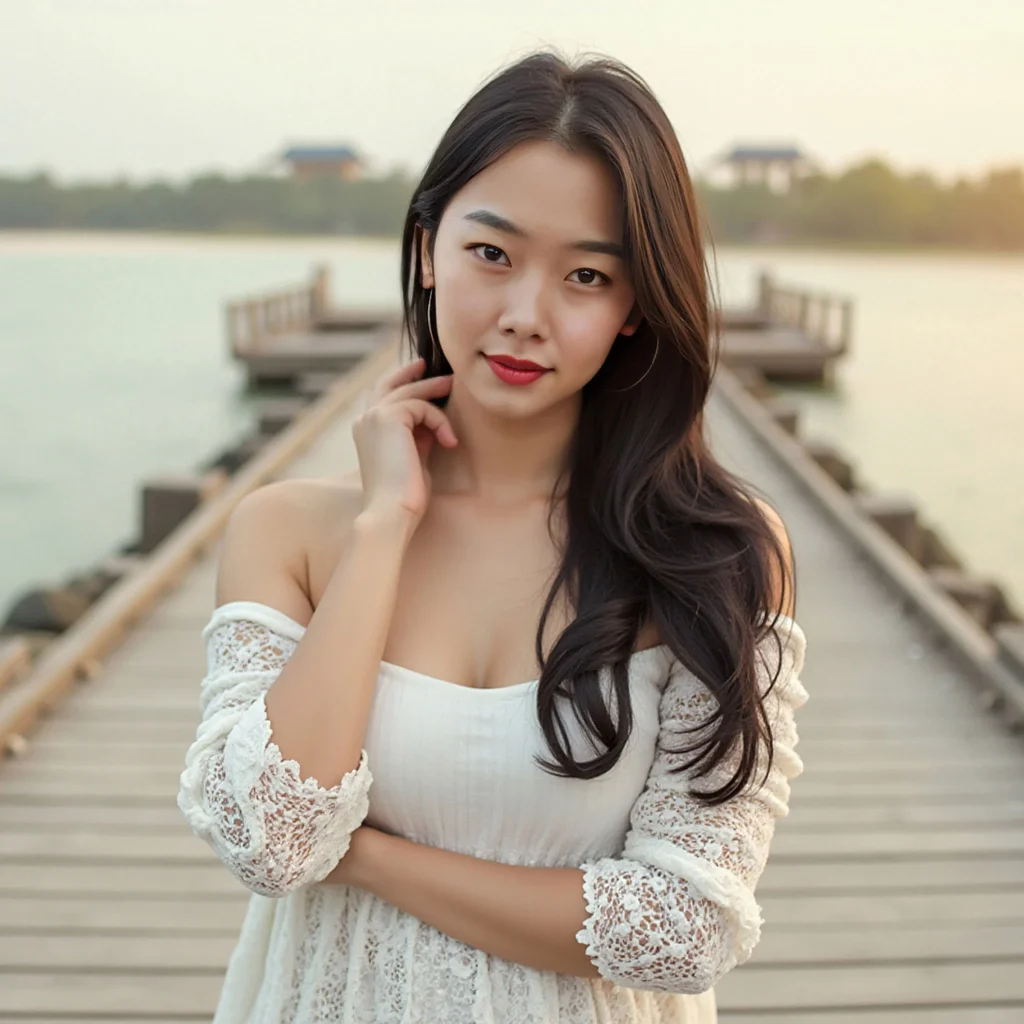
x=319 y=706
x=526 y=915
x=263 y=809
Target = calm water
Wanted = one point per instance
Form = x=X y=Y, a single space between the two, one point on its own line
x=114 y=367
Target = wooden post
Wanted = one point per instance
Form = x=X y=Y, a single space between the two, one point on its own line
x=275 y=414
x=896 y=515
x=846 y=328
x=833 y=462
x=819 y=327
x=321 y=282
x=785 y=412
x=978 y=597
x=231 y=323
x=168 y=501
x=764 y=295
x=1010 y=642
x=252 y=316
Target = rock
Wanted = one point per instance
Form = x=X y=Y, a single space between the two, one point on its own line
x=52 y=610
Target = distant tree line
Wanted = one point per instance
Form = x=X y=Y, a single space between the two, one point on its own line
x=871 y=204
x=210 y=203
x=867 y=204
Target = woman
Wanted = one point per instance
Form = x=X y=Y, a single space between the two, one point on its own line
x=429 y=837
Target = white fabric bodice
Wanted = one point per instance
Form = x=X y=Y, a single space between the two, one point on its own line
x=454 y=767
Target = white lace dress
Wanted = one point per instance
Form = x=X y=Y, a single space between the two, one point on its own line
x=668 y=884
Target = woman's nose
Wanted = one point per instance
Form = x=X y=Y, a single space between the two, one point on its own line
x=525 y=312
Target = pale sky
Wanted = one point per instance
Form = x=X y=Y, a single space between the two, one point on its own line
x=90 y=89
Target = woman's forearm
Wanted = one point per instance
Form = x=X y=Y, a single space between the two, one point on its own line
x=526 y=915
x=319 y=705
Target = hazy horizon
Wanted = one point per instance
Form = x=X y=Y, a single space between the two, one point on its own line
x=136 y=89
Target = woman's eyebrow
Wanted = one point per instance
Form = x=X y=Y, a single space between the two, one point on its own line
x=493 y=220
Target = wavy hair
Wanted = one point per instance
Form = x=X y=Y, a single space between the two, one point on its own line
x=656 y=530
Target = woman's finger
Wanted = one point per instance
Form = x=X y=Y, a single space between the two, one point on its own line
x=393 y=378
x=427 y=414
x=428 y=387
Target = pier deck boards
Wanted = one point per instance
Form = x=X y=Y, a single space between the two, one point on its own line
x=777 y=351
x=288 y=356
x=894 y=893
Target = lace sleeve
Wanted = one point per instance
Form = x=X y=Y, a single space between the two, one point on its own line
x=272 y=829
x=677 y=910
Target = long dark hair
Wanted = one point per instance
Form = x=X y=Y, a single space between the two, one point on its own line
x=657 y=530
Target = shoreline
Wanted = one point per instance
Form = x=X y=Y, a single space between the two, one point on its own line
x=235 y=237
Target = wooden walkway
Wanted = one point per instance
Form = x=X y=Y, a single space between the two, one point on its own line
x=894 y=893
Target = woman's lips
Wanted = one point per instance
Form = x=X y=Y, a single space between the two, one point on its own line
x=524 y=373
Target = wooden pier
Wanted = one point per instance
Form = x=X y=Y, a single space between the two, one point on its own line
x=284 y=337
x=789 y=334
x=894 y=893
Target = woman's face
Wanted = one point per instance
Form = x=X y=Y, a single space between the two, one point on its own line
x=525 y=267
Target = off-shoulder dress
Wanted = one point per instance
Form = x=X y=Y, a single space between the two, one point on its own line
x=668 y=883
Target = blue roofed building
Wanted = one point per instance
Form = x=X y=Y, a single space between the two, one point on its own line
x=777 y=165
x=339 y=161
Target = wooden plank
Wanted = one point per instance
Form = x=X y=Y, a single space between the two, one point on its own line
x=965 y=842
x=110 y=992
x=127 y=880
x=794 y=987
x=937 y=786
x=952 y=814
x=1010 y=1014
x=100 y=776
x=115 y=789
x=117 y=818
x=157 y=730
x=85 y=1017
x=906 y=747
x=83 y=845
x=891 y=909
x=141 y=916
x=994 y=874
x=200 y=954
x=869 y=944
x=116 y=712
x=43 y=749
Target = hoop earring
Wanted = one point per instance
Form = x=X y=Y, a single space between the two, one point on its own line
x=434 y=345
x=657 y=343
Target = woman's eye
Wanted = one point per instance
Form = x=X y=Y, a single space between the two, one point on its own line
x=595 y=275
x=488 y=249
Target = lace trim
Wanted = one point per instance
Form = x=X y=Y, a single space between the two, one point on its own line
x=274 y=830
x=677 y=909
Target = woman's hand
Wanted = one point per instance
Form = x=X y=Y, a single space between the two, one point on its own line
x=394 y=436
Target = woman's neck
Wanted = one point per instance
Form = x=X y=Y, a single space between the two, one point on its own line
x=502 y=460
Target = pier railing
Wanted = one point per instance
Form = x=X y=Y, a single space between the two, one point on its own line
x=252 y=321
x=823 y=317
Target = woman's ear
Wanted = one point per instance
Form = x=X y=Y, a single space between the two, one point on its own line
x=427 y=271
x=632 y=321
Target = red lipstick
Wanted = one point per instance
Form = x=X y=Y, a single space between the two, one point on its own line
x=516 y=371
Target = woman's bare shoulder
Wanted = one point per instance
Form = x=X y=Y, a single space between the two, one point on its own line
x=276 y=531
